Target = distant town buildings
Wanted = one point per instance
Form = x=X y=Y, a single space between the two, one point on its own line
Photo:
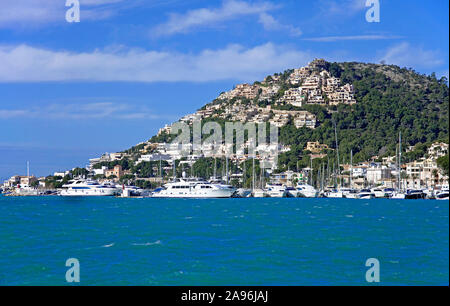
x=316 y=147
x=116 y=172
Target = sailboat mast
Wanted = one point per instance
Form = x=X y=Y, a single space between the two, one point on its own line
x=337 y=151
x=244 y=174
x=226 y=158
x=351 y=168
x=253 y=174
x=160 y=169
x=400 y=159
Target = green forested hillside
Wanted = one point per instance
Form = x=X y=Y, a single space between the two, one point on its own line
x=389 y=100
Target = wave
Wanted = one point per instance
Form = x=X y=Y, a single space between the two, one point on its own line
x=147 y=243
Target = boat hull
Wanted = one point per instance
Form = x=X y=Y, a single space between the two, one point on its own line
x=88 y=193
x=219 y=194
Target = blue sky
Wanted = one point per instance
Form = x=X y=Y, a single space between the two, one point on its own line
x=71 y=91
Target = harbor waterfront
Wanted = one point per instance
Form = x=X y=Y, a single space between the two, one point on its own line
x=253 y=241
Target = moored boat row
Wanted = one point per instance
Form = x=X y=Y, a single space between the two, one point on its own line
x=200 y=188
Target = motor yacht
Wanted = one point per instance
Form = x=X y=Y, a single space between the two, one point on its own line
x=334 y=194
x=259 y=193
x=398 y=195
x=306 y=191
x=88 y=188
x=243 y=193
x=276 y=190
x=379 y=193
x=292 y=192
x=412 y=194
x=350 y=193
x=443 y=193
x=389 y=192
x=366 y=194
x=194 y=188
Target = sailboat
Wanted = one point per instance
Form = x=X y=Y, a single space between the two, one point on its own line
x=350 y=193
x=256 y=192
x=336 y=192
x=398 y=194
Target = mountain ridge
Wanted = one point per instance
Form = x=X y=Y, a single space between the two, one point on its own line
x=368 y=103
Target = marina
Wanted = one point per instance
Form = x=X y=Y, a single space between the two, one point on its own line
x=197 y=188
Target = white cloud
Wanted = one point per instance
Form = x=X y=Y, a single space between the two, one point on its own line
x=24 y=63
x=230 y=9
x=354 y=37
x=25 y=13
x=271 y=24
x=405 y=55
x=80 y=111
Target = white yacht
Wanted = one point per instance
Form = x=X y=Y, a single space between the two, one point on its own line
x=88 y=188
x=412 y=194
x=194 y=188
x=306 y=191
x=292 y=192
x=243 y=193
x=259 y=193
x=379 y=193
x=398 y=195
x=366 y=194
x=334 y=194
x=276 y=190
x=443 y=193
x=389 y=192
x=350 y=193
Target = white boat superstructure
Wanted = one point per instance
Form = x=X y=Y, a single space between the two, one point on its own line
x=306 y=191
x=259 y=193
x=243 y=193
x=350 y=193
x=398 y=195
x=389 y=192
x=276 y=190
x=379 y=193
x=132 y=191
x=366 y=194
x=292 y=192
x=443 y=193
x=88 y=188
x=334 y=194
x=194 y=188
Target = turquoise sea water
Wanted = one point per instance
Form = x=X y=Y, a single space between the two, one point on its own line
x=223 y=242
